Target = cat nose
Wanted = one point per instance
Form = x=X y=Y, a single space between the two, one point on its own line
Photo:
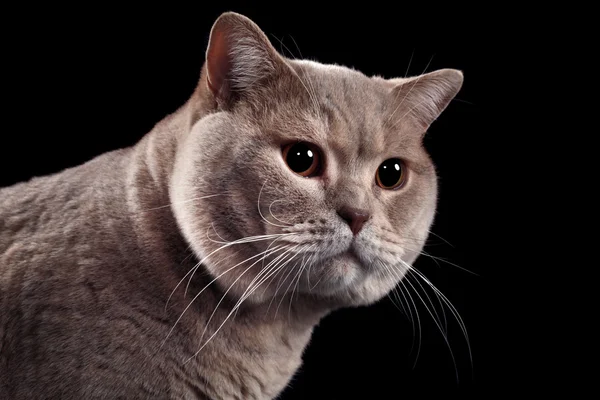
x=355 y=217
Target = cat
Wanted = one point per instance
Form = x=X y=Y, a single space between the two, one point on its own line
x=196 y=263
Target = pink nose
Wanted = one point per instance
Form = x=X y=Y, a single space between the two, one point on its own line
x=355 y=217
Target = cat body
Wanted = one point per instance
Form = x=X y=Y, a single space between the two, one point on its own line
x=196 y=263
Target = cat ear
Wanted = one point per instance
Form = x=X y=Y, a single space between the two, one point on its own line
x=426 y=96
x=238 y=57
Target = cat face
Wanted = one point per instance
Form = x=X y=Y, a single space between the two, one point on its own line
x=305 y=178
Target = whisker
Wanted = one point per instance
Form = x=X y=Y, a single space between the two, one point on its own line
x=450 y=306
x=283 y=46
x=406 y=95
x=286 y=290
x=189 y=255
x=242 y=240
x=309 y=264
x=439 y=237
x=414 y=273
x=445 y=319
x=280 y=282
x=266 y=270
x=224 y=321
x=272 y=277
x=409 y=62
x=448 y=262
x=296 y=44
x=225 y=294
x=437 y=317
x=273 y=215
x=435 y=320
x=260 y=212
x=323 y=273
x=203 y=289
x=389 y=276
x=419 y=104
x=273 y=274
x=212 y=225
x=299 y=275
x=407 y=310
x=416 y=329
x=435 y=258
x=417 y=335
x=249 y=239
x=312 y=93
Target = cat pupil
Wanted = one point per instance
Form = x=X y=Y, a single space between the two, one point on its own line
x=300 y=157
x=390 y=172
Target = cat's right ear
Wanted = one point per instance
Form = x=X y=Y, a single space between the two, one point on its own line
x=424 y=97
x=239 y=57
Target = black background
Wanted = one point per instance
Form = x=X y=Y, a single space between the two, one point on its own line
x=80 y=82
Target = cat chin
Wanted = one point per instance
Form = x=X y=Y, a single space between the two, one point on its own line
x=343 y=280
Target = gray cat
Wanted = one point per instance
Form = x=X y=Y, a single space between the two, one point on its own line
x=196 y=263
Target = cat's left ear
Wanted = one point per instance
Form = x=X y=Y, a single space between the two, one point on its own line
x=424 y=97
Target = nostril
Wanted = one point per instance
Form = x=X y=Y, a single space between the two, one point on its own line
x=354 y=217
x=346 y=217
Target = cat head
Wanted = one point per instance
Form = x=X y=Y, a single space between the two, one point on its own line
x=303 y=177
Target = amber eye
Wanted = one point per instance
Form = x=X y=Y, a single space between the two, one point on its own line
x=303 y=158
x=391 y=174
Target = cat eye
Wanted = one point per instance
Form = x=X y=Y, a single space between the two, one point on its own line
x=303 y=158
x=391 y=174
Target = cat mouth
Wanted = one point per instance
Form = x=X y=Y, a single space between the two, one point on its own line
x=337 y=273
x=351 y=252
x=349 y=258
